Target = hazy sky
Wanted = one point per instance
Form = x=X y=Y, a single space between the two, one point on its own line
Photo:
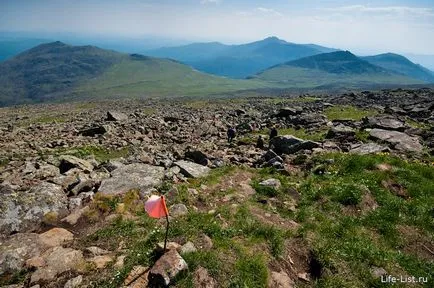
x=361 y=26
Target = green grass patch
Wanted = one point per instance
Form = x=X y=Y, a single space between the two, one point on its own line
x=344 y=112
x=100 y=154
x=362 y=135
x=317 y=135
x=365 y=237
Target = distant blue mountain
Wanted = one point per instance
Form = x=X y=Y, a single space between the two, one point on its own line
x=400 y=64
x=238 y=61
x=10 y=47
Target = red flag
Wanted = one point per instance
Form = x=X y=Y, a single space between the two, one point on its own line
x=156 y=207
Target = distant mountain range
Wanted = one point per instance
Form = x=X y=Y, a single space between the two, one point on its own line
x=238 y=61
x=401 y=65
x=341 y=68
x=60 y=72
x=56 y=71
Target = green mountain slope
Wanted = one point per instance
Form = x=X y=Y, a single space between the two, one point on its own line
x=400 y=64
x=42 y=72
x=339 y=69
x=137 y=76
x=58 y=71
x=238 y=61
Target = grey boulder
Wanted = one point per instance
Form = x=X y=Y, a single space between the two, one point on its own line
x=25 y=211
x=397 y=140
x=289 y=144
x=143 y=177
x=193 y=170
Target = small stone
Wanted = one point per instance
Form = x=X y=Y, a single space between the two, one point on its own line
x=188 y=248
x=135 y=273
x=101 y=261
x=96 y=251
x=377 y=272
x=73 y=218
x=192 y=191
x=35 y=262
x=74 y=282
x=120 y=262
x=205 y=242
x=169 y=246
x=280 y=280
x=274 y=183
x=303 y=276
x=56 y=237
x=178 y=210
x=202 y=279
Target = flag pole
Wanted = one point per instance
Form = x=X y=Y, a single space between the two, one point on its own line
x=163 y=202
x=167 y=232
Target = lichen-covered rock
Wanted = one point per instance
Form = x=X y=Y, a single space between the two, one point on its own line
x=272 y=182
x=17 y=249
x=368 y=148
x=25 y=210
x=178 y=210
x=68 y=162
x=166 y=269
x=56 y=237
x=58 y=260
x=384 y=122
x=192 y=170
x=397 y=140
x=134 y=176
x=289 y=144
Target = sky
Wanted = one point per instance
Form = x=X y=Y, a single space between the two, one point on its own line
x=363 y=27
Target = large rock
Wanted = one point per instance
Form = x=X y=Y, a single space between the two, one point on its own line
x=25 y=211
x=397 y=140
x=94 y=130
x=341 y=132
x=57 y=260
x=17 y=249
x=287 y=111
x=134 y=176
x=68 y=162
x=56 y=237
x=368 y=148
x=116 y=116
x=309 y=120
x=384 y=122
x=166 y=269
x=197 y=156
x=191 y=169
x=289 y=144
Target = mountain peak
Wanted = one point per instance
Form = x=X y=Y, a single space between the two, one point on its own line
x=274 y=39
x=338 y=62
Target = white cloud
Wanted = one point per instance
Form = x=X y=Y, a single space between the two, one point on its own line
x=204 y=2
x=268 y=11
x=399 y=10
x=259 y=11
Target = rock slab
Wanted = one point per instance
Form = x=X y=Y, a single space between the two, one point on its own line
x=134 y=176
